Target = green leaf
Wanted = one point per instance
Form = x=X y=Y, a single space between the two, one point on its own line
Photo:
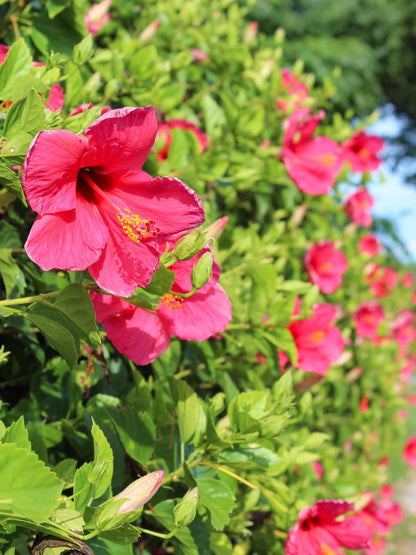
x=161 y=282
x=83 y=51
x=188 y=408
x=75 y=302
x=27 y=115
x=58 y=330
x=83 y=489
x=17 y=433
x=9 y=179
x=9 y=236
x=183 y=540
x=123 y=535
x=214 y=117
x=218 y=500
x=143 y=62
x=102 y=467
x=56 y=6
x=251 y=457
x=68 y=518
x=24 y=479
x=17 y=63
x=65 y=470
x=13 y=278
x=137 y=433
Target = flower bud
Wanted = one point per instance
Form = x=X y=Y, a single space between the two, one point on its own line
x=214 y=230
x=97 y=16
x=140 y=491
x=185 y=510
x=149 y=32
x=189 y=245
x=201 y=272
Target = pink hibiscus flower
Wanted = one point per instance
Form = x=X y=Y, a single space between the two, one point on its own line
x=97 y=16
x=369 y=245
x=294 y=89
x=360 y=151
x=325 y=266
x=408 y=280
x=102 y=210
x=312 y=163
x=368 y=318
x=383 y=281
x=143 y=336
x=409 y=452
x=318 y=531
x=318 y=343
x=358 y=206
x=165 y=136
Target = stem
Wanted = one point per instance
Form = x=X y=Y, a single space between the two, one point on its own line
x=279 y=534
x=226 y=471
x=183 y=295
x=29 y=300
x=159 y=534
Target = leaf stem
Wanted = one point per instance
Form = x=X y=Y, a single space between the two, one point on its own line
x=159 y=534
x=226 y=471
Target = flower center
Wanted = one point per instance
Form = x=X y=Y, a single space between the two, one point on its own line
x=326 y=550
x=327 y=159
x=325 y=266
x=317 y=337
x=172 y=301
x=135 y=227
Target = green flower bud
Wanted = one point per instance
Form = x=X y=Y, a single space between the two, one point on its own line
x=189 y=245
x=185 y=510
x=201 y=272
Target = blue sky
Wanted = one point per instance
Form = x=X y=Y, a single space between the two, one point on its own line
x=394 y=200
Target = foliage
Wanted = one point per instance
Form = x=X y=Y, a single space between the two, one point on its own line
x=80 y=421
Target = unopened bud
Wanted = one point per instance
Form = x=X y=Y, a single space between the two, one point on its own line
x=251 y=33
x=214 y=230
x=150 y=31
x=185 y=510
x=140 y=491
x=189 y=245
x=201 y=272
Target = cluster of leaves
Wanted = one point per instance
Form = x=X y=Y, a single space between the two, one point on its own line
x=217 y=415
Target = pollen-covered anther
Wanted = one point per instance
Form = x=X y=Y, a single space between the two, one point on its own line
x=135 y=227
x=172 y=301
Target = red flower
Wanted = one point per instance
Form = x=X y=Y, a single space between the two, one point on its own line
x=369 y=245
x=97 y=16
x=319 y=344
x=318 y=469
x=403 y=330
x=408 y=280
x=164 y=134
x=319 y=532
x=312 y=164
x=295 y=90
x=56 y=98
x=360 y=151
x=358 y=206
x=364 y=403
x=409 y=452
x=325 y=266
x=102 y=210
x=368 y=318
x=198 y=55
x=143 y=336
x=382 y=280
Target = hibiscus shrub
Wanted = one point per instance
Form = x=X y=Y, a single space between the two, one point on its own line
x=205 y=346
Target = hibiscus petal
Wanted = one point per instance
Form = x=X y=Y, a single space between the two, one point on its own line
x=141 y=336
x=69 y=240
x=50 y=171
x=200 y=315
x=125 y=265
x=168 y=201
x=121 y=139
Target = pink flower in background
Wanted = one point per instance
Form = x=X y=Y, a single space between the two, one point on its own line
x=364 y=403
x=97 y=16
x=361 y=150
x=143 y=336
x=373 y=516
x=56 y=98
x=368 y=318
x=318 y=469
x=312 y=163
x=198 y=55
x=407 y=370
x=369 y=245
x=403 y=330
x=382 y=280
x=318 y=343
x=325 y=266
x=319 y=532
x=295 y=90
x=103 y=211
x=409 y=452
x=164 y=134
x=358 y=206
x=140 y=491
x=408 y=280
